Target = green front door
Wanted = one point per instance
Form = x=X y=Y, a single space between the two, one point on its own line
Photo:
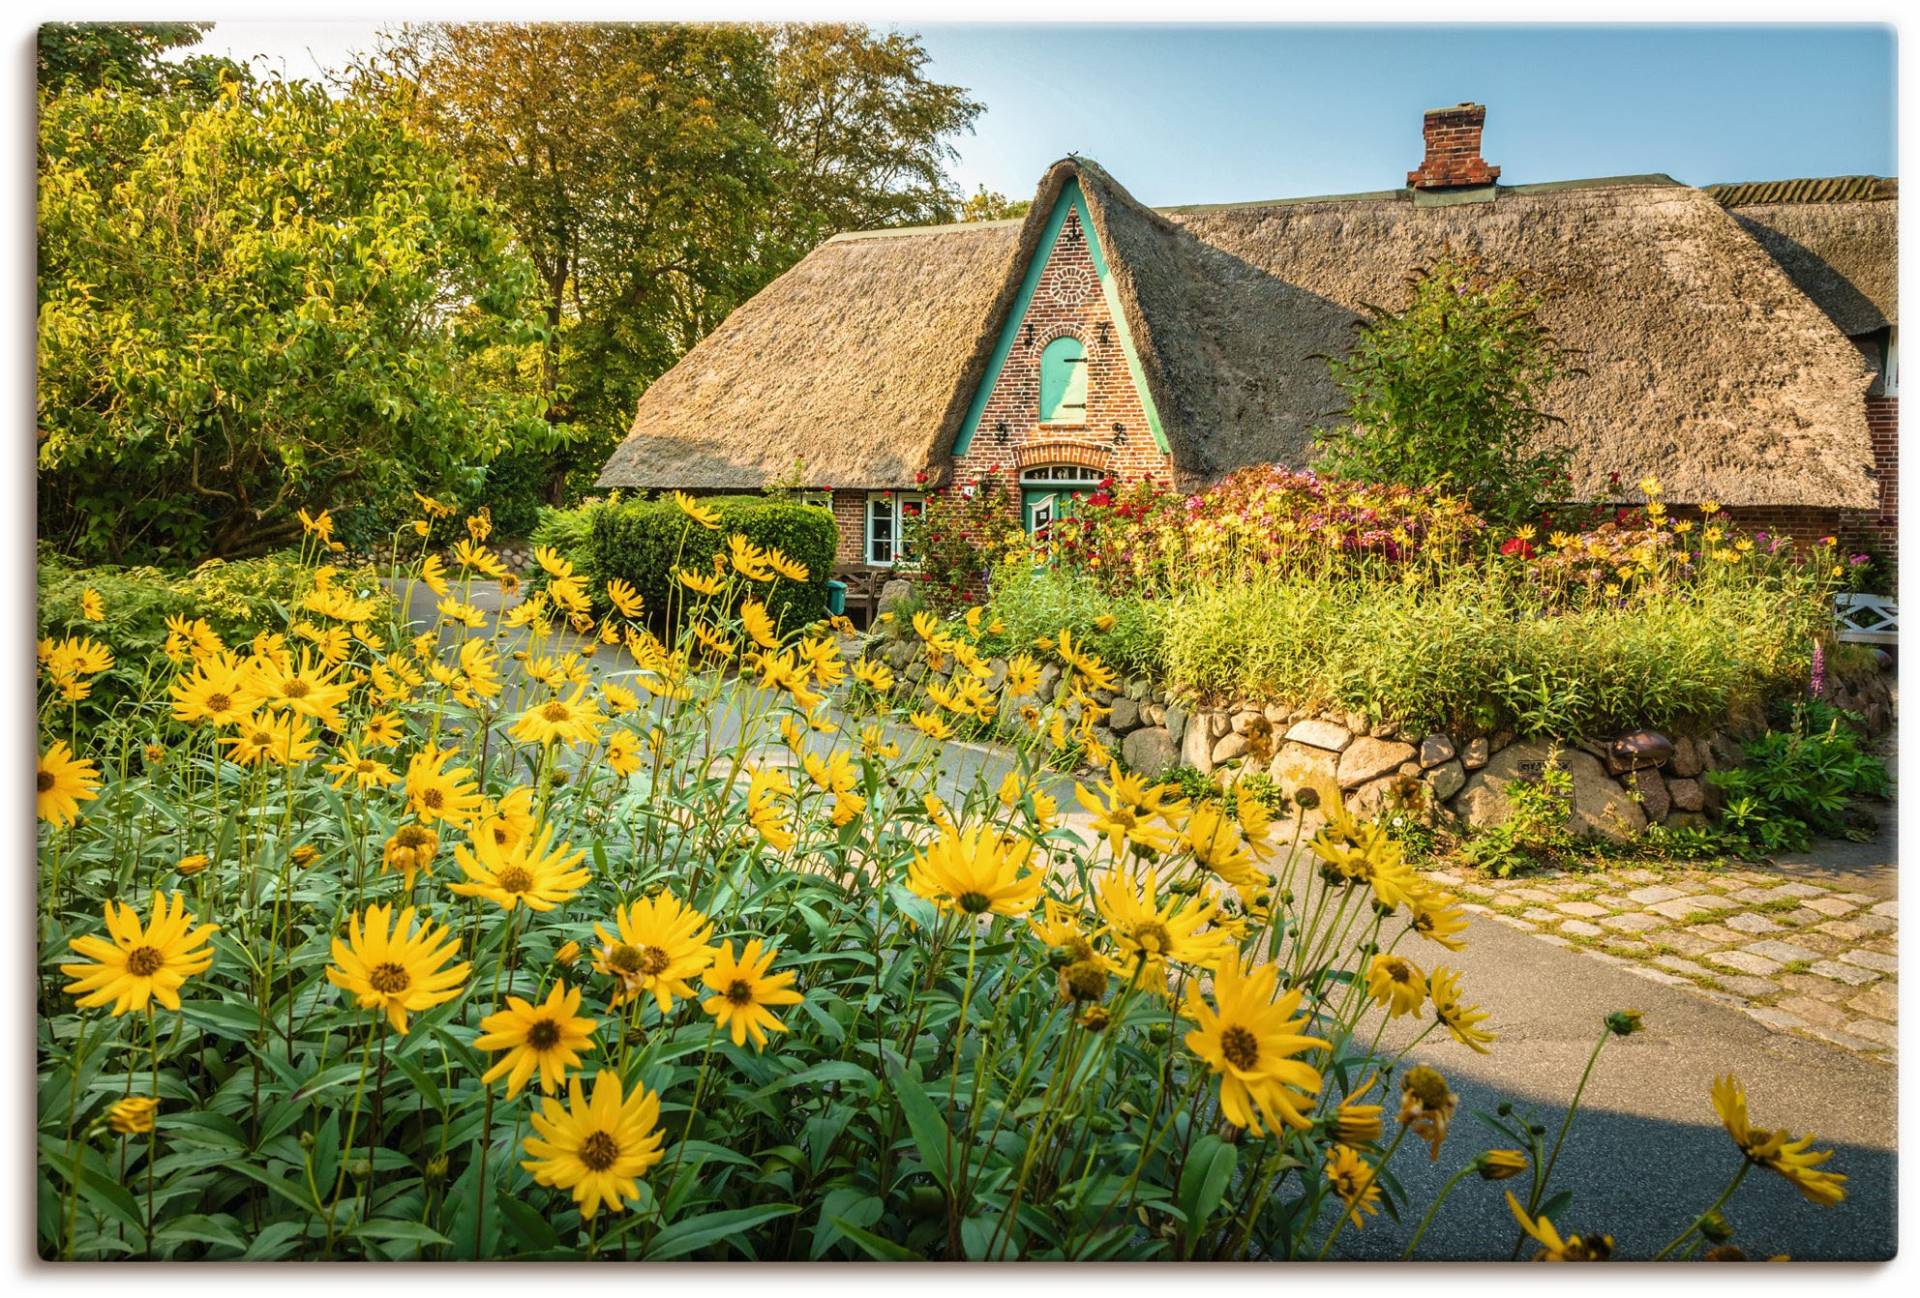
x=1039 y=506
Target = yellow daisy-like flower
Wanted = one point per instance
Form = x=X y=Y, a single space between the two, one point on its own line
x=139 y=965
x=548 y=1037
x=748 y=559
x=791 y=569
x=1500 y=1164
x=133 y=1116
x=930 y=724
x=596 y=1150
x=262 y=738
x=433 y=575
x=1427 y=1105
x=1126 y=810
x=1357 y=1123
x=524 y=874
x=759 y=624
x=389 y=965
x=410 y=849
x=192 y=863
x=384 y=730
x=623 y=753
x=1437 y=917
x=435 y=793
x=1396 y=983
x=573 y=720
x=743 y=989
x=975 y=872
x=61 y=782
x=705 y=515
x=699 y=583
x=365 y=771
x=1249 y=1037
x=1149 y=935
x=219 y=689
x=658 y=947
x=1777 y=1151
x=1574 y=1248
x=92 y=607
x=1355 y=1181
x=624 y=598
x=1460 y=1020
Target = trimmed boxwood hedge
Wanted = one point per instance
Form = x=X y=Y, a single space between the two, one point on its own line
x=644 y=541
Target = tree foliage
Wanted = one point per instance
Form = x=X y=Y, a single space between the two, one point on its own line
x=86 y=56
x=660 y=175
x=272 y=300
x=1447 y=393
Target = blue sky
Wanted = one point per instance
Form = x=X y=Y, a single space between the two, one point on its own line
x=1214 y=114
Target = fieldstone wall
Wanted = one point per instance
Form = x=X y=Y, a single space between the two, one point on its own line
x=1620 y=784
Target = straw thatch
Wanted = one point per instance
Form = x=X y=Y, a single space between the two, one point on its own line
x=1837 y=238
x=1703 y=363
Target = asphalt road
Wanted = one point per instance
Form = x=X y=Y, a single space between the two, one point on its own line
x=1647 y=1151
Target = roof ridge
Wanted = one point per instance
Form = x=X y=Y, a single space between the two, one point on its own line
x=1805 y=189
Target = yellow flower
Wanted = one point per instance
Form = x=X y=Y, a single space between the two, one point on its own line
x=471 y=554
x=1426 y=1106
x=192 y=864
x=1125 y=809
x=567 y=954
x=930 y=724
x=1148 y=935
x=463 y=614
x=62 y=782
x=744 y=989
x=265 y=738
x=1777 y=1151
x=220 y=689
x=389 y=966
x=139 y=965
x=1437 y=917
x=1356 y=1123
x=622 y=595
x=365 y=771
x=623 y=753
x=435 y=793
x=1355 y=1182
x=384 y=730
x=1249 y=1037
x=1709 y=508
x=1396 y=983
x=659 y=945
x=433 y=574
x=1023 y=676
x=596 y=1150
x=525 y=873
x=975 y=872
x=699 y=583
x=410 y=849
x=574 y=720
x=785 y=567
x=704 y=515
x=133 y=1116
x=432 y=507
x=874 y=674
x=92 y=607
x=1104 y=623
x=759 y=625
x=1650 y=486
x=748 y=559
x=1574 y=1248
x=1501 y=1164
x=1459 y=1019
x=767 y=788
x=320 y=526
x=548 y=1037
x=309 y=690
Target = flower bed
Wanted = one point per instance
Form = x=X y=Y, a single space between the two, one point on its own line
x=398 y=949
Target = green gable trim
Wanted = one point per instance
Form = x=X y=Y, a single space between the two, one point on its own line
x=1071 y=199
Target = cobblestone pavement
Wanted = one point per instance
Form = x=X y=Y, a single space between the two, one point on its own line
x=1815 y=960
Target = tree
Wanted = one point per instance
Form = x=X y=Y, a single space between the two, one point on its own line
x=1448 y=393
x=658 y=176
x=275 y=300
x=991 y=205
x=86 y=56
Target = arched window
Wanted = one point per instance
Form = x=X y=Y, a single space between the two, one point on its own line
x=1063 y=382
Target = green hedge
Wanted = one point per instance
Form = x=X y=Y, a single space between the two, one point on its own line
x=645 y=541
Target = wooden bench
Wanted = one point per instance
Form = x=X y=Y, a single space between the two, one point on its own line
x=863 y=591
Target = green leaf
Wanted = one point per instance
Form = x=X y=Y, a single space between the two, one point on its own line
x=221 y=1231
x=930 y=1134
x=402 y=1232
x=1203 y=1182
x=882 y=1250
x=683 y=1237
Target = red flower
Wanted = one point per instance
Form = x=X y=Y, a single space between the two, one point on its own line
x=1513 y=545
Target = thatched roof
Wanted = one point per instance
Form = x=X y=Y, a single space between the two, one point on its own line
x=1703 y=363
x=848 y=363
x=1837 y=238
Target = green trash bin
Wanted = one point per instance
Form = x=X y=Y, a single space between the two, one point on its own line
x=837 y=598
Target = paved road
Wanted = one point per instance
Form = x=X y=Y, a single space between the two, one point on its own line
x=1647 y=1151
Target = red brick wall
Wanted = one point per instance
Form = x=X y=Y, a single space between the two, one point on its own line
x=1880 y=527
x=1066 y=301
x=850 y=512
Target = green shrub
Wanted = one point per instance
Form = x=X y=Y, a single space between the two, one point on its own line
x=1799 y=782
x=1477 y=650
x=238 y=599
x=646 y=541
x=570 y=532
x=1031 y=602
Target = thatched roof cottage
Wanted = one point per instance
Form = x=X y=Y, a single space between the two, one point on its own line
x=1739 y=342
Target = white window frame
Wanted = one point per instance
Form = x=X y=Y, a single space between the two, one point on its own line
x=822 y=499
x=894 y=507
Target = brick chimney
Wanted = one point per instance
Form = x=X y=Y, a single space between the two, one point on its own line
x=1453 y=150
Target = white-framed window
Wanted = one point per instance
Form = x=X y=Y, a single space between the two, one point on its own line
x=821 y=499
x=887 y=511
